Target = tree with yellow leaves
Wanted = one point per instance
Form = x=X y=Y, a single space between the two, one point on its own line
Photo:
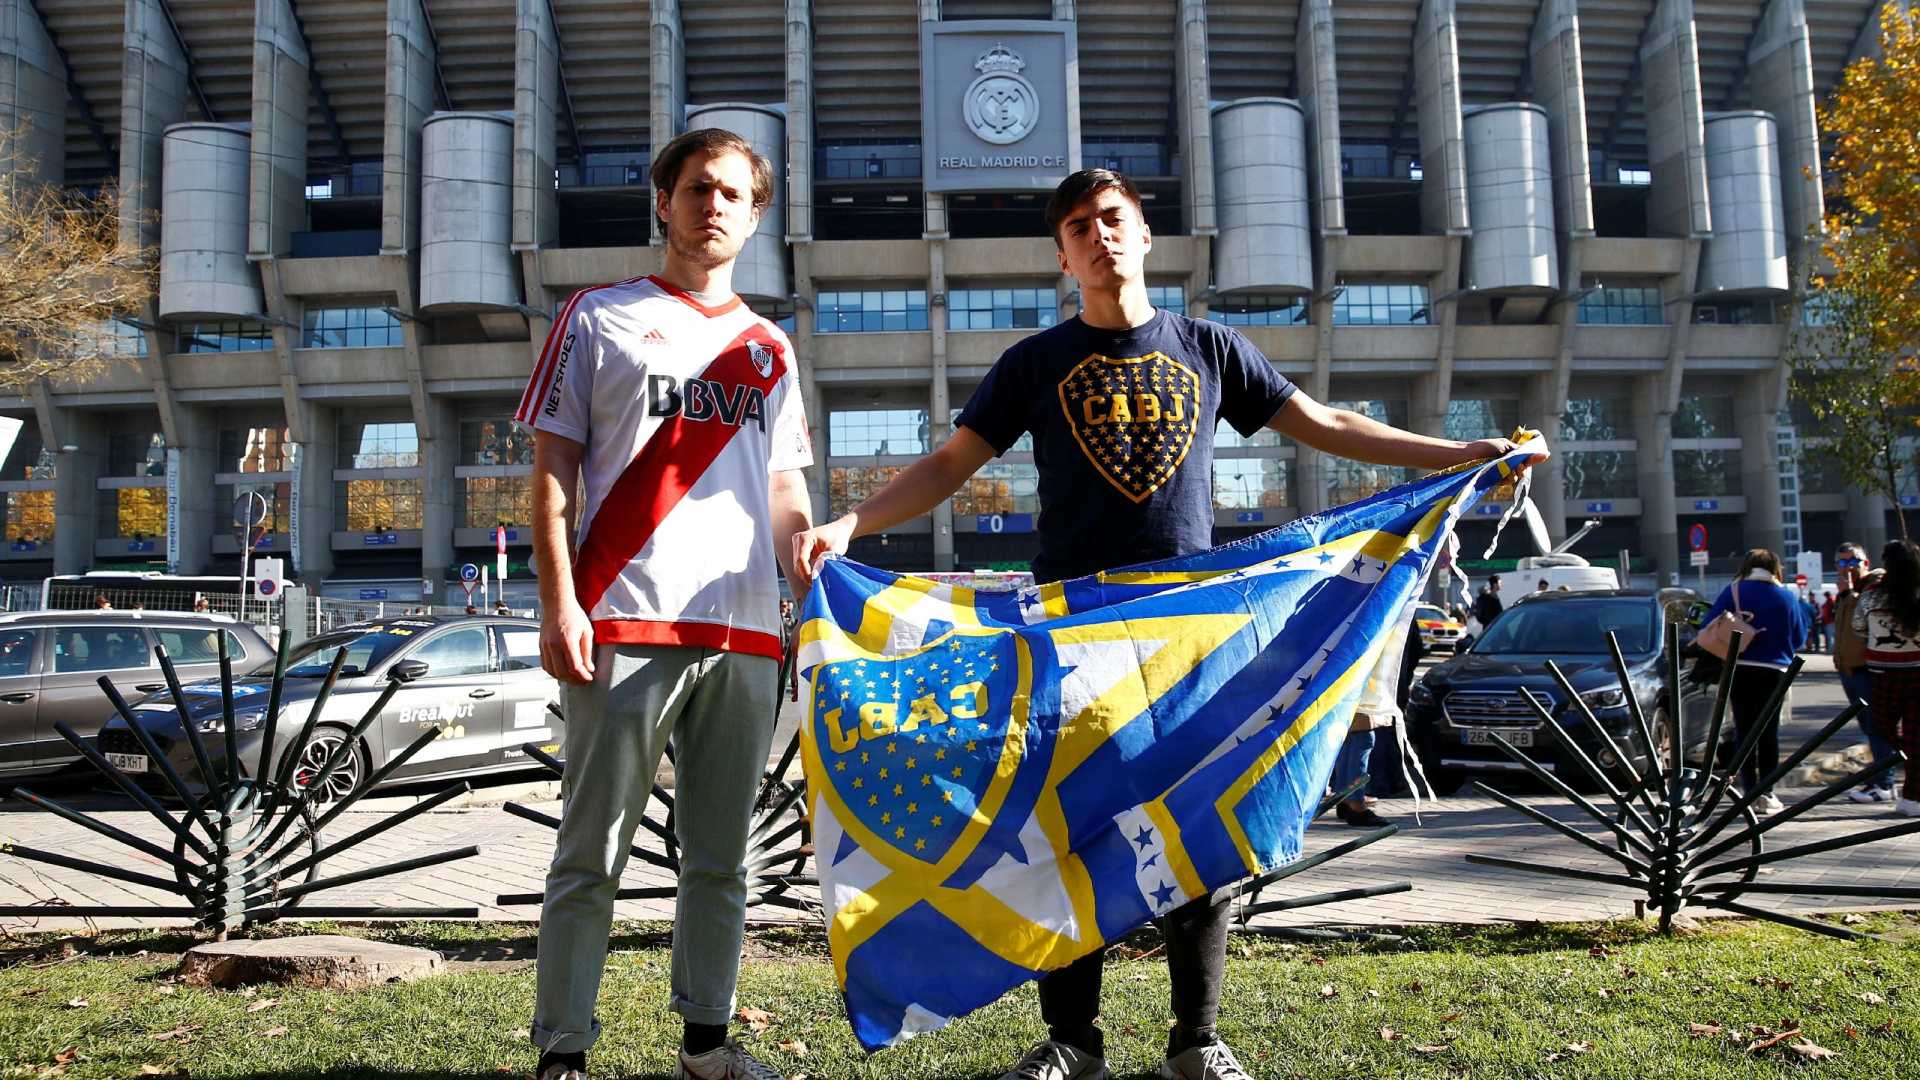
x=1854 y=364
x=64 y=278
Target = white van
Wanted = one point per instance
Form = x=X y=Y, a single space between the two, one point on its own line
x=1575 y=578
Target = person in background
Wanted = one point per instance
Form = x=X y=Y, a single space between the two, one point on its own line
x=1824 y=622
x=1857 y=575
x=1487 y=606
x=101 y=603
x=1886 y=637
x=200 y=603
x=1375 y=711
x=1812 y=616
x=1780 y=619
x=1541 y=586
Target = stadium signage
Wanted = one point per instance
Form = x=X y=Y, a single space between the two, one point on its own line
x=999 y=104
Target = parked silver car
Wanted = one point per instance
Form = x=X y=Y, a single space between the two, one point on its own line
x=477 y=677
x=51 y=663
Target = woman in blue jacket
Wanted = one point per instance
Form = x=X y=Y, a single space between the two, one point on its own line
x=1781 y=623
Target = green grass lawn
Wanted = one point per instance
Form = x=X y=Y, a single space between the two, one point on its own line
x=1607 y=1000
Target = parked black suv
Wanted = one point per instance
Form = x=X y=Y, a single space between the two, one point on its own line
x=1455 y=709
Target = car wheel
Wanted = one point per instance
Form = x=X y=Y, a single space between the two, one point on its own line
x=1663 y=736
x=313 y=758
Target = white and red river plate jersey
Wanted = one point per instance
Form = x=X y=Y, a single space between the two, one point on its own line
x=685 y=410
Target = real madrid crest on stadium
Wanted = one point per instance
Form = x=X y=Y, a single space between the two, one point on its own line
x=1001 y=106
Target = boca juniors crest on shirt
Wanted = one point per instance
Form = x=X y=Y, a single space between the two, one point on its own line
x=1134 y=417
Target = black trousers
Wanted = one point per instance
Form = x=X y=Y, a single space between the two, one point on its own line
x=1752 y=688
x=1196 y=936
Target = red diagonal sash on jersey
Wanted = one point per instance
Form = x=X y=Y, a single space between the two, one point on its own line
x=665 y=469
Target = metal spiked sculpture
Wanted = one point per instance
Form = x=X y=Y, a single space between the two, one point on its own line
x=1680 y=836
x=778 y=842
x=1248 y=892
x=248 y=849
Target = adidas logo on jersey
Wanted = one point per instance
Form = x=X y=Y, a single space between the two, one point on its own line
x=654 y=337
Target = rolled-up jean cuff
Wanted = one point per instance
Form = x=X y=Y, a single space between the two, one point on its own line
x=564 y=1042
x=717 y=1015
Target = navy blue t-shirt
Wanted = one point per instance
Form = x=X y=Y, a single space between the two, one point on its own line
x=1122 y=424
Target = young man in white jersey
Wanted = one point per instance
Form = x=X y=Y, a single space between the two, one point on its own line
x=1122 y=402
x=680 y=410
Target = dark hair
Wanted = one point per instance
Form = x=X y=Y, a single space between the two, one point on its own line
x=1493 y=579
x=1759 y=559
x=1901 y=587
x=668 y=162
x=1082 y=186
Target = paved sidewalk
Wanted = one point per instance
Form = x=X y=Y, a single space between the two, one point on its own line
x=1428 y=852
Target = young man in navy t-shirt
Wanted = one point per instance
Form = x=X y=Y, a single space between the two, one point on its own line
x=1122 y=402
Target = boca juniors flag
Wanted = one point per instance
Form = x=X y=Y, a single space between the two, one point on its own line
x=1000 y=783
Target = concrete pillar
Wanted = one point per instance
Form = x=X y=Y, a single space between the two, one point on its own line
x=194 y=457
x=1194 y=88
x=1676 y=125
x=536 y=127
x=939 y=394
x=1436 y=79
x=277 y=152
x=667 y=78
x=1559 y=87
x=439 y=453
x=799 y=123
x=1780 y=72
x=1866 y=523
x=312 y=513
x=805 y=319
x=76 y=500
x=33 y=97
x=1320 y=100
x=1541 y=404
x=1653 y=410
x=153 y=94
x=1756 y=409
x=412 y=92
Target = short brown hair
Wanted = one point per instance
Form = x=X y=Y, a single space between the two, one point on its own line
x=668 y=162
x=1082 y=186
x=1760 y=559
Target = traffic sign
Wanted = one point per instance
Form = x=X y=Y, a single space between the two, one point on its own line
x=469 y=572
x=267 y=588
x=1699 y=559
x=1697 y=537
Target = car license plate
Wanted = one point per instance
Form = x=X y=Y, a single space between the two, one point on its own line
x=1484 y=737
x=128 y=763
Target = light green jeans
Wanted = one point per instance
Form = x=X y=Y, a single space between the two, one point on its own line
x=718 y=707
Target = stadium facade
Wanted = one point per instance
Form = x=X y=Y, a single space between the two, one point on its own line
x=1458 y=217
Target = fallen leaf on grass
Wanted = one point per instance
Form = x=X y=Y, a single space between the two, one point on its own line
x=274 y=1032
x=1579 y=1048
x=1770 y=1041
x=166 y=990
x=1705 y=1031
x=796 y=1047
x=1812 y=1051
x=263 y=1003
x=163 y=1070
x=1414 y=987
x=1389 y=1035
x=65 y=1057
x=520 y=1033
x=1451 y=1017
x=1599 y=950
x=757 y=1020
x=183 y=1033
x=1850 y=1031
x=77 y=1003
x=1329 y=991
x=1872 y=998
x=1853 y=920
x=1606 y=991
x=33 y=991
x=1432 y=1048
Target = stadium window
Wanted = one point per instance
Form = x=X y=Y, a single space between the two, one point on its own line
x=1026 y=308
x=1258 y=309
x=378 y=505
x=876 y=432
x=1623 y=304
x=231 y=335
x=870 y=311
x=777 y=312
x=1380 y=304
x=1168 y=297
x=357 y=327
x=378 y=445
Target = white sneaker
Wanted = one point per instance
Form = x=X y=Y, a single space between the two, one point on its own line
x=1208 y=1061
x=1767 y=805
x=1058 y=1061
x=729 y=1062
x=1870 y=793
x=558 y=1071
x=1908 y=807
